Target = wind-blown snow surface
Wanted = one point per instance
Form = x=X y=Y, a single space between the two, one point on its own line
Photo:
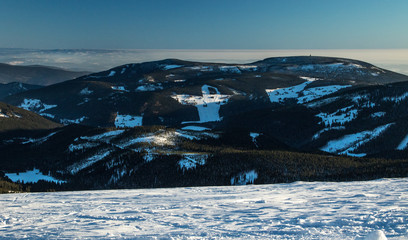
x=300 y=210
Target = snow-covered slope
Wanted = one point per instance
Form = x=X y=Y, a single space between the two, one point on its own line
x=300 y=210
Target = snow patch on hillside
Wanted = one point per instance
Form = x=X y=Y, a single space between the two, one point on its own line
x=35 y=105
x=396 y=99
x=404 y=143
x=72 y=121
x=317 y=135
x=122 y=121
x=244 y=178
x=106 y=136
x=195 y=128
x=32 y=176
x=230 y=69
x=280 y=95
x=8 y=114
x=85 y=91
x=149 y=87
x=119 y=88
x=378 y=114
x=329 y=68
x=311 y=94
x=251 y=68
x=208 y=105
x=339 y=117
x=39 y=140
x=112 y=73
x=82 y=146
x=254 y=135
x=75 y=168
x=350 y=143
x=171 y=66
x=192 y=160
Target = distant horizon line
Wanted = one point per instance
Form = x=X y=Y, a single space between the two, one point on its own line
x=205 y=49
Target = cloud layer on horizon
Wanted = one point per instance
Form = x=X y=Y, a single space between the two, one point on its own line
x=99 y=60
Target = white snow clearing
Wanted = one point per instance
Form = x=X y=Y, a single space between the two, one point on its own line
x=280 y=95
x=32 y=176
x=35 y=105
x=404 y=143
x=339 y=117
x=300 y=210
x=122 y=121
x=349 y=143
x=208 y=105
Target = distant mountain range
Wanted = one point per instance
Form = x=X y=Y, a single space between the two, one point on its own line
x=178 y=123
x=36 y=74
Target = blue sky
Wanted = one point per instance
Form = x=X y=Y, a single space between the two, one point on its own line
x=204 y=24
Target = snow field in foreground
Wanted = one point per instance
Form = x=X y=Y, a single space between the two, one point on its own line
x=300 y=210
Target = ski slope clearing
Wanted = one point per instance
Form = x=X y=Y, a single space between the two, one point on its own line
x=208 y=105
x=300 y=210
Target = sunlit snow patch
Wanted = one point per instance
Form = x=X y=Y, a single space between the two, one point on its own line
x=208 y=105
x=349 y=143
x=32 y=176
x=122 y=121
x=245 y=178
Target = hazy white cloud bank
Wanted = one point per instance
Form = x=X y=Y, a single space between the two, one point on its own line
x=98 y=60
